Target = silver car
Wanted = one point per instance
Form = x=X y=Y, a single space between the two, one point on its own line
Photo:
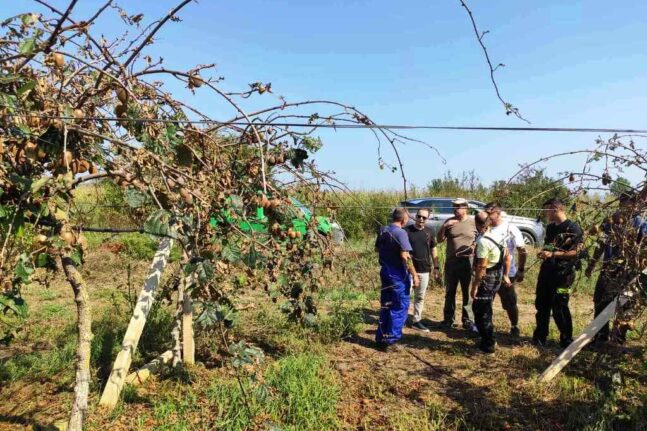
x=441 y=209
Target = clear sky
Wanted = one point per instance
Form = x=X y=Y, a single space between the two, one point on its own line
x=568 y=63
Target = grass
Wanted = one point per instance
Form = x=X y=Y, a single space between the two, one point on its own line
x=322 y=377
x=297 y=392
x=431 y=417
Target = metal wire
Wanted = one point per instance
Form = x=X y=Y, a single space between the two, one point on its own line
x=344 y=126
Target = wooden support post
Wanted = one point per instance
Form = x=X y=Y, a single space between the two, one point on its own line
x=582 y=340
x=188 y=343
x=589 y=332
x=176 y=333
x=152 y=367
x=115 y=383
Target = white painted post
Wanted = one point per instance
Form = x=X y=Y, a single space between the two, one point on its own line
x=585 y=337
x=115 y=383
x=152 y=367
x=188 y=343
x=582 y=340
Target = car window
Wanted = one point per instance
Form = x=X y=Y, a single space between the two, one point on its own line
x=409 y=204
x=440 y=206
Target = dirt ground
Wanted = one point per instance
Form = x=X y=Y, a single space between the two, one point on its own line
x=438 y=380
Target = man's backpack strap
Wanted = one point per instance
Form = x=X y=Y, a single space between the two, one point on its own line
x=501 y=252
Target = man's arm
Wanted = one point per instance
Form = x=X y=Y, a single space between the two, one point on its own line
x=560 y=254
x=406 y=258
x=436 y=264
x=441 y=233
x=522 y=254
x=479 y=272
x=594 y=260
x=578 y=240
x=507 y=264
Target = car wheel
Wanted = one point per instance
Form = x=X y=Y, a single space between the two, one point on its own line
x=528 y=238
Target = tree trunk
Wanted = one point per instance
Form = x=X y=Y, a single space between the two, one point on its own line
x=84 y=330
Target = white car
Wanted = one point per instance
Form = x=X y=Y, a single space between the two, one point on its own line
x=441 y=209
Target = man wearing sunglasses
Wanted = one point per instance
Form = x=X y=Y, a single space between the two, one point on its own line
x=424 y=253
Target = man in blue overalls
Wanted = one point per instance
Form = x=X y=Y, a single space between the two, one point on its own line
x=396 y=273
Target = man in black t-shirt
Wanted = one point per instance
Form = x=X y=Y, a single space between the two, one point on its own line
x=561 y=247
x=424 y=254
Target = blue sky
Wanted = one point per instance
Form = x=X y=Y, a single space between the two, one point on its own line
x=568 y=63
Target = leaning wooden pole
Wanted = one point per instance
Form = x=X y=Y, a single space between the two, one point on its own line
x=586 y=336
x=144 y=304
x=188 y=343
x=582 y=340
x=140 y=376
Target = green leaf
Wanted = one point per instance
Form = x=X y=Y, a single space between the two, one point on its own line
x=38 y=184
x=213 y=313
x=3 y=212
x=28 y=86
x=158 y=223
x=23 y=271
x=203 y=270
x=19 y=222
x=27 y=46
x=253 y=259
x=241 y=280
x=230 y=253
x=28 y=18
x=136 y=198
x=77 y=256
x=15 y=304
x=45 y=260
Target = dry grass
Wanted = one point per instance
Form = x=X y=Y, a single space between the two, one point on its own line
x=439 y=381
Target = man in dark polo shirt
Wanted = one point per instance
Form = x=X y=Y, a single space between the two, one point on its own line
x=424 y=253
x=460 y=232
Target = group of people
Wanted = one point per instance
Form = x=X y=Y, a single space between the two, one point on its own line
x=486 y=255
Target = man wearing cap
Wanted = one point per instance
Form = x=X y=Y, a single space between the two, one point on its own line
x=396 y=274
x=460 y=233
x=505 y=233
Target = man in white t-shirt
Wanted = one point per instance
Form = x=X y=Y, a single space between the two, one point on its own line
x=510 y=235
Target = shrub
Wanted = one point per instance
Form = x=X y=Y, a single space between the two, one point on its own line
x=342 y=322
x=138 y=246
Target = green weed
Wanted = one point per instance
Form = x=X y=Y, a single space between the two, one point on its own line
x=341 y=322
x=307 y=392
x=433 y=417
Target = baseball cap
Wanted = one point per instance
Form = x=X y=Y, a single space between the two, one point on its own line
x=460 y=202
